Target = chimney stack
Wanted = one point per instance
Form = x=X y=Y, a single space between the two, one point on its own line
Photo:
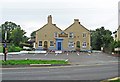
x=50 y=19
x=76 y=21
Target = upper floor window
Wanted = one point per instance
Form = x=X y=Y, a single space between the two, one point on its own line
x=71 y=35
x=55 y=34
x=40 y=43
x=84 y=44
x=84 y=35
x=51 y=43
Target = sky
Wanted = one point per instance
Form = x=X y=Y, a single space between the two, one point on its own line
x=32 y=14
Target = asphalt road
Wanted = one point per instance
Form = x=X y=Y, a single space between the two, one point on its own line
x=74 y=72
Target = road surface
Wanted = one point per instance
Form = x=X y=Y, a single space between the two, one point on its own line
x=74 y=72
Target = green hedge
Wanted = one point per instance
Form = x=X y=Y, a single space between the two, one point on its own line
x=27 y=62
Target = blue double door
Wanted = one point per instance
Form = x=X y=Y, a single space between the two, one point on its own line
x=59 y=44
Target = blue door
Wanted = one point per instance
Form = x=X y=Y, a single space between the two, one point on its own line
x=59 y=45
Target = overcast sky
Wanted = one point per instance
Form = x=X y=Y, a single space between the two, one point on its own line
x=32 y=14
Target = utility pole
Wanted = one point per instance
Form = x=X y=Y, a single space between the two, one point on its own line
x=5 y=46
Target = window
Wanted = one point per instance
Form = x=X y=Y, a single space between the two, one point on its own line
x=70 y=44
x=84 y=45
x=84 y=35
x=55 y=35
x=51 y=43
x=40 y=43
x=71 y=35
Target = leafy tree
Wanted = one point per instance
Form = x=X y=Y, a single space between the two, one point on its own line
x=101 y=38
x=33 y=34
x=15 y=34
x=7 y=26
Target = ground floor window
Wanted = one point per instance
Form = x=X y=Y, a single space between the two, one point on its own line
x=70 y=44
x=84 y=44
x=40 y=43
x=51 y=43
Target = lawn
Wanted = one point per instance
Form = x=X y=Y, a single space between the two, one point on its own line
x=28 y=62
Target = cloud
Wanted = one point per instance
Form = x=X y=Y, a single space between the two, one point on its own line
x=32 y=14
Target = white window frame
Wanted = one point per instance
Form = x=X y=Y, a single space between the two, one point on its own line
x=39 y=44
x=71 y=35
x=55 y=34
x=71 y=44
x=50 y=43
x=84 y=44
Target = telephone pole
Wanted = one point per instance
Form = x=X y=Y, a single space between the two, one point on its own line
x=5 y=46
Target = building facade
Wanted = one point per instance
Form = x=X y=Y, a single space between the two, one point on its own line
x=50 y=37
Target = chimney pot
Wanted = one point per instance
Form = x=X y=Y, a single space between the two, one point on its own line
x=76 y=20
x=50 y=19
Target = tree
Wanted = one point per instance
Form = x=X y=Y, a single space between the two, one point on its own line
x=101 y=38
x=15 y=34
x=7 y=26
x=33 y=34
x=18 y=36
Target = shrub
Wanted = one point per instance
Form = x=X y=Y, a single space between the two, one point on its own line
x=14 y=48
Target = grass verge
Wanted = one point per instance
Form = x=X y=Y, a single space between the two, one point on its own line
x=117 y=79
x=28 y=62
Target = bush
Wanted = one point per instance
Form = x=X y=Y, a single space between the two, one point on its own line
x=14 y=48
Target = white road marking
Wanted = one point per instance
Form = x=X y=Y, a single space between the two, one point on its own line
x=26 y=58
x=33 y=54
x=89 y=54
x=66 y=60
x=67 y=54
x=78 y=54
x=46 y=54
x=56 y=54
